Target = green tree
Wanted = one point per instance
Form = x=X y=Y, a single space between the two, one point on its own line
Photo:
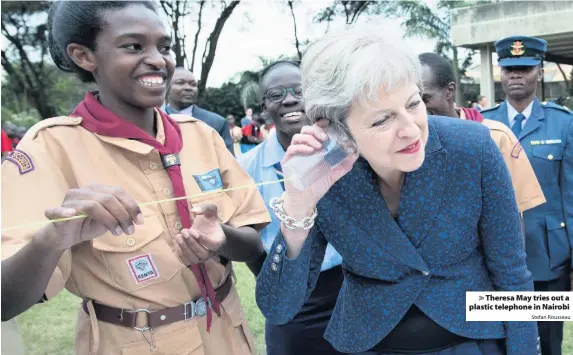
x=177 y=13
x=223 y=100
x=64 y=91
x=350 y=10
x=417 y=19
x=24 y=42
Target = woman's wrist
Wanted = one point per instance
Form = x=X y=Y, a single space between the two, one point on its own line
x=296 y=209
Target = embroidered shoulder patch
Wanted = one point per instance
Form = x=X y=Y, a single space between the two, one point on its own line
x=516 y=150
x=142 y=268
x=22 y=161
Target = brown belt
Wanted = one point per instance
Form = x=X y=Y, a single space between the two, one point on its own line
x=128 y=318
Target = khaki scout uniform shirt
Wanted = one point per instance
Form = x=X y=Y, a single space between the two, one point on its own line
x=528 y=192
x=66 y=156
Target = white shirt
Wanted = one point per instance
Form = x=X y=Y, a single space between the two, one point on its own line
x=512 y=112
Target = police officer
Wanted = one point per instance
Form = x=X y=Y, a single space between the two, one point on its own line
x=155 y=278
x=545 y=131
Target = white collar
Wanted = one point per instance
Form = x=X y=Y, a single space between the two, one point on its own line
x=512 y=112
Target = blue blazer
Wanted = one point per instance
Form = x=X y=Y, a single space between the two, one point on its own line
x=458 y=229
x=547 y=139
x=215 y=121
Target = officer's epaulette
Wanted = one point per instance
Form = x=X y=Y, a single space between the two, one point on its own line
x=52 y=122
x=555 y=106
x=183 y=118
x=490 y=109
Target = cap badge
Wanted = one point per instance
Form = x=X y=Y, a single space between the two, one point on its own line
x=517 y=48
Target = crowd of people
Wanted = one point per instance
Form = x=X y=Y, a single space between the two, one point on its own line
x=375 y=257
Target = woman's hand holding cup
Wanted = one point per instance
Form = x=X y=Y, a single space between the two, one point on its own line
x=300 y=203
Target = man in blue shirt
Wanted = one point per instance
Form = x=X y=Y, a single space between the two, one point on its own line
x=545 y=131
x=280 y=86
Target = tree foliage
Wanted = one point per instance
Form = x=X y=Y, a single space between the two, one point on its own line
x=350 y=10
x=224 y=100
x=25 y=43
x=178 y=13
x=417 y=19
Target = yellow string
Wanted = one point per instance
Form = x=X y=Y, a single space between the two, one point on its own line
x=214 y=192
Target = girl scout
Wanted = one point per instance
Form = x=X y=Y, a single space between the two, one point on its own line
x=154 y=277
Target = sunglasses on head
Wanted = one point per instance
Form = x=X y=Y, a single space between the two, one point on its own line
x=278 y=94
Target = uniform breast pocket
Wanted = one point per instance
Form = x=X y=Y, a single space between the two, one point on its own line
x=139 y=260
x=546 y=161
x=557 y=242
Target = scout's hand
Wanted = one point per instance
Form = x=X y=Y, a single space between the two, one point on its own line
x=107 y=208
x=202 y=241
x=299 y=204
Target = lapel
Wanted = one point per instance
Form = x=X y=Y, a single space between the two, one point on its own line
x=355 y=204
x=534 y=121
x=502 y=114
x=422 y=191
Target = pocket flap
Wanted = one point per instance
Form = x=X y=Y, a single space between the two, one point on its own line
x=554 y=222
x=548 y=152
x=144 y=234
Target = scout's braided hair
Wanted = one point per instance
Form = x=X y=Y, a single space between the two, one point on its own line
x=79 y=22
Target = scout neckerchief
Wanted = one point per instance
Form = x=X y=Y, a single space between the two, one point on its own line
x=100 y=120
x=471 y=114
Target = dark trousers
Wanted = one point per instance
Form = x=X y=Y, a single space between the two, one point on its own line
x=551 y=333
x=475 y=347
x=305 y=333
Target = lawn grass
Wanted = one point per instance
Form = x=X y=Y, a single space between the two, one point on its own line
x=49 y=329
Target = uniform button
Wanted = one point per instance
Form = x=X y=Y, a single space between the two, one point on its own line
x=279 y=248
x=425 y=273
x=166 y=192
x=274 y=267
x=562 y=224
x=130 y=242
x=178 y=225
x=152 y=166
x=550 y=157
x=276 y=258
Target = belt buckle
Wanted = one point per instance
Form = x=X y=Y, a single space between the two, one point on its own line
x=200 y=307
x=197 y=308
x=146 y=328
x=191 y=309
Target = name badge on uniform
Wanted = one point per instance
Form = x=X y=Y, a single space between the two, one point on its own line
x=209 y=181
x=142 y=268
x=547 y=141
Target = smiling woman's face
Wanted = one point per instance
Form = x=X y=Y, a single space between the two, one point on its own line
x=391 y=133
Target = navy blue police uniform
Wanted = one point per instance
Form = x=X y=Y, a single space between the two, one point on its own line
x=547 y=139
